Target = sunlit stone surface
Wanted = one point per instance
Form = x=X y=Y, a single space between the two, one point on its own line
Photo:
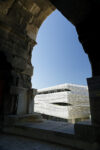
x=67 y=101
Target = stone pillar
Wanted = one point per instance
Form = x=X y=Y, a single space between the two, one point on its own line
x=31 y=94
x=16 y=71
x=94 y=96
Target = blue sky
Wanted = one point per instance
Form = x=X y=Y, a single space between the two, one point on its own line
x=58 y=56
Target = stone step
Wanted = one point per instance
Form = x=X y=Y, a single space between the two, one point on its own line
x=50 y=131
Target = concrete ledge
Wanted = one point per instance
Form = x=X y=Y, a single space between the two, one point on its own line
x=51 y=131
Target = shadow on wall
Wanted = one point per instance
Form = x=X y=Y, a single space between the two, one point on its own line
x=5 y=79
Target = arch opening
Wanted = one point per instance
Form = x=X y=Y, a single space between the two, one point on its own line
x=18 y=36
x=73 y=50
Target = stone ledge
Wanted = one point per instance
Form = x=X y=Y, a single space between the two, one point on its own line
x=51 y=131
x=12 y=120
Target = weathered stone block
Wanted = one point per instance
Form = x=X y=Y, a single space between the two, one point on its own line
x=94 y=95
x=5 y=6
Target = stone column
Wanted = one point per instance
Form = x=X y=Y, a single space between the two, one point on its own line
x=94 y=96
x=31 y=94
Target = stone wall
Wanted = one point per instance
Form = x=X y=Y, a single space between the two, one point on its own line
x=19 y=23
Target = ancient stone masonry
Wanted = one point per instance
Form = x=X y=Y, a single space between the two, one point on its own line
x=19 y=24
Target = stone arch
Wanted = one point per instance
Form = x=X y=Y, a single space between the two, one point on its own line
x=19 y=24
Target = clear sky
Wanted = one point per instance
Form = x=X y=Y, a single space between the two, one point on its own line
x=58 y=56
